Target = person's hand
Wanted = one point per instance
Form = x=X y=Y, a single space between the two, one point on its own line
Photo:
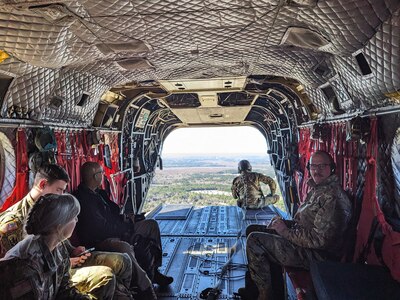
x=77 y=250
x=272 y=221
x=275 y=197
x=130 y=217
x=77 y=261
x=279 y=226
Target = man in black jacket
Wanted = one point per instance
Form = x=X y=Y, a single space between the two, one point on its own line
x=102 y=226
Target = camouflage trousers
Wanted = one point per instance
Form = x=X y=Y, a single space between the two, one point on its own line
x=104 y=275
x=267 y=252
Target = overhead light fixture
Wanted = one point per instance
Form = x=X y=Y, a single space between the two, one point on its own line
x=138 y=63
x=133 y=46
x=304 y=2
x=304 y=38
x=55 y=102
x=216 y=115
x=83 y=99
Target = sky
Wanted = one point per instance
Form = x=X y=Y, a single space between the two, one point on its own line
x=228 y=140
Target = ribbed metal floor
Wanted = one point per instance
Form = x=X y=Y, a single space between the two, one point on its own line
x=196 y=244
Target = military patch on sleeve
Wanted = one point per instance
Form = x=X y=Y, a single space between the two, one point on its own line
x=11 y=233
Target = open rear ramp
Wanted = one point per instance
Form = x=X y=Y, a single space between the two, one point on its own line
x=196 y=244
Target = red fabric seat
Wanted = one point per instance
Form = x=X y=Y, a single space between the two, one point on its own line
x=301 y=280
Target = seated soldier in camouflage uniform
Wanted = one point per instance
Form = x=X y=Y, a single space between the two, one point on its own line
x=42 y=254
x=247 y=189
x=90 y=273
x=316 y=233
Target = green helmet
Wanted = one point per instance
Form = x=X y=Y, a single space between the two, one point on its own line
x=244 y=165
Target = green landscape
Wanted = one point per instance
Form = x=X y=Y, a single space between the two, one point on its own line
x=201 y=180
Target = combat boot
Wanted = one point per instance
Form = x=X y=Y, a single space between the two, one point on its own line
x=250 y=291
x=161 y=279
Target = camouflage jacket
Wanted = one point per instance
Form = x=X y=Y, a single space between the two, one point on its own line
x=12 y=223
x=321 y=221
x=47 y=272
x=247 y=189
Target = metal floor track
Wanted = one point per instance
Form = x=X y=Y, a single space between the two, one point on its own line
x=196 y=244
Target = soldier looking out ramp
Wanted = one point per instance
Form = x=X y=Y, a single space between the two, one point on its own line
x=246 y=188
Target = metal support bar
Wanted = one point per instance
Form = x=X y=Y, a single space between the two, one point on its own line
x=363 y=114
x=24 y=123
x=120 y=172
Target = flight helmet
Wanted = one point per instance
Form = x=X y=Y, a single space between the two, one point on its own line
x=244 y=165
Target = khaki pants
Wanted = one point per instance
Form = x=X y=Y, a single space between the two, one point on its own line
x=97 y=281
x=102 y=274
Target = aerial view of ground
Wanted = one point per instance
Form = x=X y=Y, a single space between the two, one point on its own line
x=201 y=180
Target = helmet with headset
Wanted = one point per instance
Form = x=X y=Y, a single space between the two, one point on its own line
x=244 y=165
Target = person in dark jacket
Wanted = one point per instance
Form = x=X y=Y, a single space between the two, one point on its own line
x=102 y=226
x=316 y=233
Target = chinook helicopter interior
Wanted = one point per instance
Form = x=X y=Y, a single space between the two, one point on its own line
x=108 y=81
